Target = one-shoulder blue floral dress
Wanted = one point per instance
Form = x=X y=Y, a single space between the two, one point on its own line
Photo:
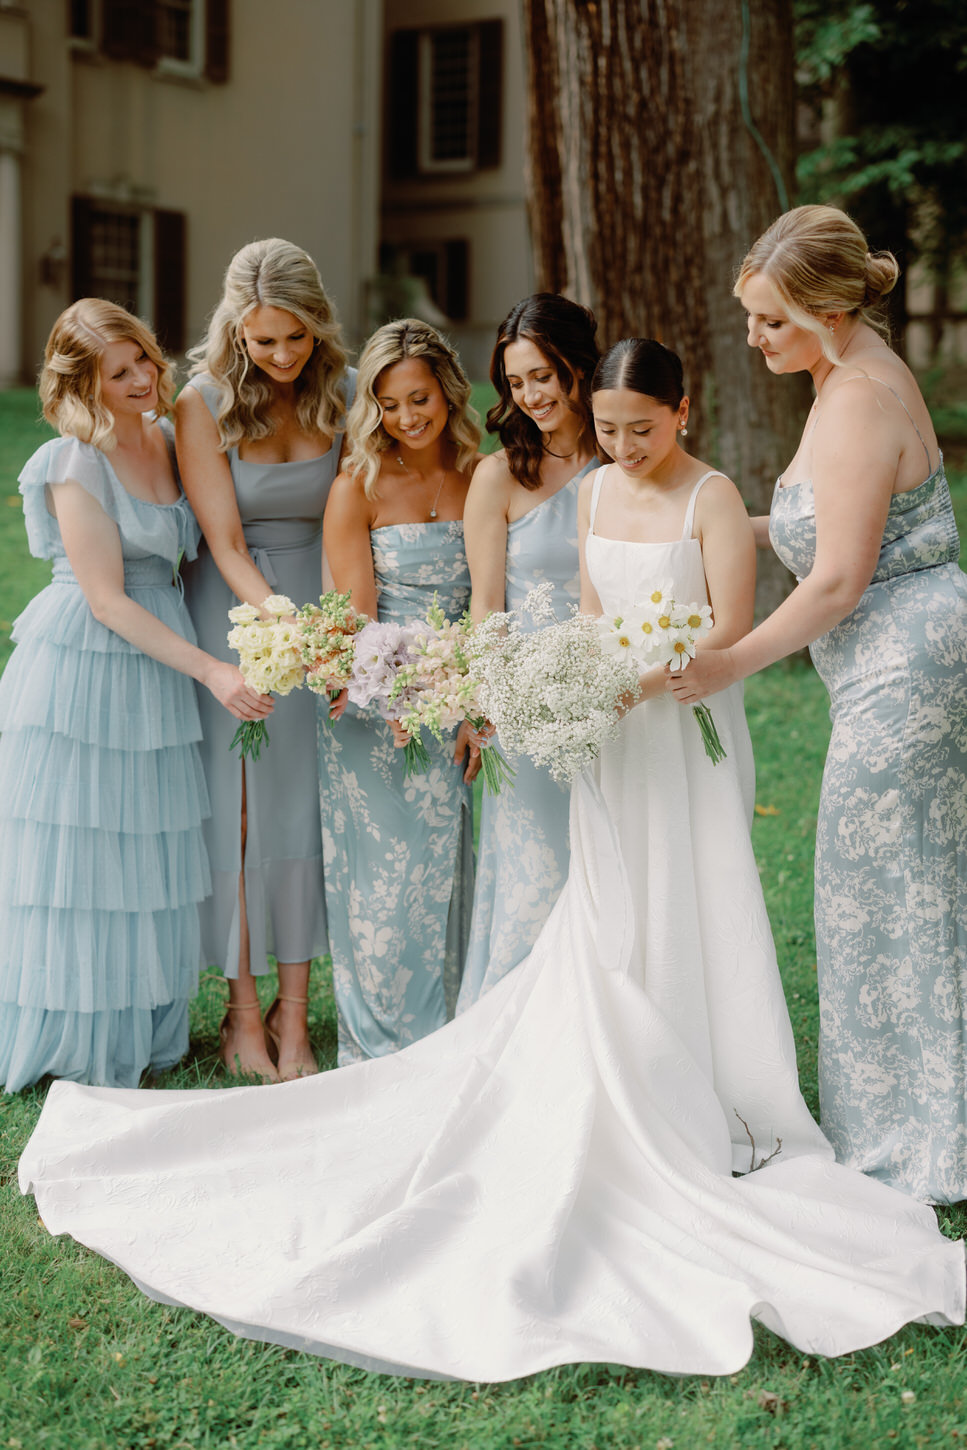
x=102 y=795
x=398 y=852
x=891 y=849
x=522 y=851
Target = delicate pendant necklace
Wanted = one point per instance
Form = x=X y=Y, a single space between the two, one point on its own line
x=443 y=480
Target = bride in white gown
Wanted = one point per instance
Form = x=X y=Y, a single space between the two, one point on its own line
x=550 y=1177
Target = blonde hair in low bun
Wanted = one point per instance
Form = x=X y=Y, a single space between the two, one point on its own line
x=818 y=261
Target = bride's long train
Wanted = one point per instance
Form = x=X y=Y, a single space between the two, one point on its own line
x=548 y=1179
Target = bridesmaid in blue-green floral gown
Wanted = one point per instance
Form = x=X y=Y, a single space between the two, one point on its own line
x=862 y=515
x=398 y=851
x=521 y=525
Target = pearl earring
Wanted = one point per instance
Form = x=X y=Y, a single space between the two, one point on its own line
x=683 y=430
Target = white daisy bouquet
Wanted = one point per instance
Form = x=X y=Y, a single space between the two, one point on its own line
x=440 y=692
x=663 y=632
x=552 y=693
x=328 y=631
x=270 y=659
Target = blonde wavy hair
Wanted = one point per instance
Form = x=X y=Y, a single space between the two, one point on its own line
x=70 y=379
x=818 y=261
x=272 y=273
x=366 y=438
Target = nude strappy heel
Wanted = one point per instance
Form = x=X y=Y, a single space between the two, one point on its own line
x=234 y=1064
x=305 y=1067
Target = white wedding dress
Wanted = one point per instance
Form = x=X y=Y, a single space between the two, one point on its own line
x=549 y=1178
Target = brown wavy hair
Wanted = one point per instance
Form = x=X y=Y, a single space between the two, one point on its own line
x=564 y=332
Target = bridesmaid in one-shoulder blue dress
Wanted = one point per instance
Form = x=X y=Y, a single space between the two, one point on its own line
x=522 y=849
x=398 y=851
x=521 y=523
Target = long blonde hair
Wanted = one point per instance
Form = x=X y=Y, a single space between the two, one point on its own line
x=366 y=439
x=818 y=261
x=70 y=379
x=272 y=273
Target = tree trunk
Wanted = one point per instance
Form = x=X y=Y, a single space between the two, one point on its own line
x=647 y=187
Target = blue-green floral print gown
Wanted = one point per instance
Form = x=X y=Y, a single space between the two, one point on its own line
x=891 y=849
x=398 y=852
x=102 y=797
x=522 y=850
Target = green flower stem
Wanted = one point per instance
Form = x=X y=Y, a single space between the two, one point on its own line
x=250 y=736
x=710 y=736
x=416 y=757
x=497 y=770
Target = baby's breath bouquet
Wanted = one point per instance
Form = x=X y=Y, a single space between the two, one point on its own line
x=552 y=693
x=328 y=631
x=663 y=632
x=437 y=689
x=270 y=659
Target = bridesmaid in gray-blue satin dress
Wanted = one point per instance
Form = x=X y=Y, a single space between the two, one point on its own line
x=521 y=524
x=259 y=441
x=398 y=851
x=863 y=516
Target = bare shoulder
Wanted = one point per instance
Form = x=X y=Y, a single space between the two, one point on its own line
x=492 y=481
x=718 y=498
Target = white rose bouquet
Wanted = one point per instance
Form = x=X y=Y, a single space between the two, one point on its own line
x=552 y=693
x=663 y=632
x=270 y=659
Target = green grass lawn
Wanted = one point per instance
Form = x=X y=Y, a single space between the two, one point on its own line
x=89 y=1364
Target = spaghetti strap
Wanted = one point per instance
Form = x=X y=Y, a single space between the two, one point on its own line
x=872 y=379
x=596 y=493
x=690 y=511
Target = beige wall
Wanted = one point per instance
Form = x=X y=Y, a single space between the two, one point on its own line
x=289 y=146
x=488 y=207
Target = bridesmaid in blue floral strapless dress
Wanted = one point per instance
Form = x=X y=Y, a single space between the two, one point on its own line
x=521 y=523
x=883 y=606
x=398 y=851
x=102 y=862
x=259 y=435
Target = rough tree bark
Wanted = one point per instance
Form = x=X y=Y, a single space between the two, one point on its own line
x=646 y=188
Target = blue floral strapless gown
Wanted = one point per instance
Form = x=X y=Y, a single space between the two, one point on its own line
x=891 y=849
x=398 y=852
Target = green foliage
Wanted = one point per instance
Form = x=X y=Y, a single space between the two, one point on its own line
x=897 y=70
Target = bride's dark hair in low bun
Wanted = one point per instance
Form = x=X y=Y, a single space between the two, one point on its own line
x=818 y=261
x=644 y=366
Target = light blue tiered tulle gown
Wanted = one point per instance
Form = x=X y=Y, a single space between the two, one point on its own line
x=281 y=507
x=102 y=863
x=398 y=851
x=522 y=850
x=891 y=849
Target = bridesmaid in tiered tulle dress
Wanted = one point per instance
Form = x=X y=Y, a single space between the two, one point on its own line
x=102 y=863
